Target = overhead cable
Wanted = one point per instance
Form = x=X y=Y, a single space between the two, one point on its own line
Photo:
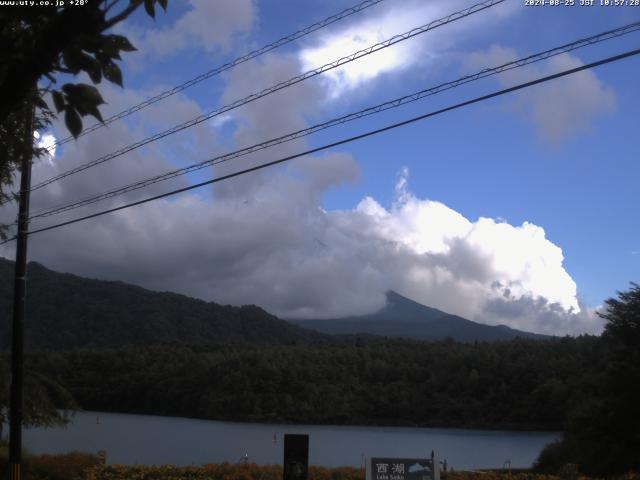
x=292 y=81
x=592 y=40
x=344 y=141
x=223 y=68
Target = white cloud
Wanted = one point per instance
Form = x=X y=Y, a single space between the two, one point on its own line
x=341 y=43
x=269 y=117
x=529 y=310
x=460 y=266
x=47 y=141
x=276 y=247
x=220 y=120
x=209 y=25
x=559 y=109
x=423 y=49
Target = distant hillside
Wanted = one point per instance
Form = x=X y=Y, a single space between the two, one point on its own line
x=67 y=311
x=404 y=318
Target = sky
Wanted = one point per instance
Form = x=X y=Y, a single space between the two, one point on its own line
x=521 y=210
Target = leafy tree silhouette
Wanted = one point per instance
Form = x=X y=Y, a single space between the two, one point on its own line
x=38 y=46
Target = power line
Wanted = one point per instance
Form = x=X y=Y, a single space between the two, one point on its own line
x=292 y=81
x=594 y=39
x=311 y=73
x=227 y=66
x=347 y=140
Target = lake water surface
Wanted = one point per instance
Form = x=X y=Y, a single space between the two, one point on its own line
x=143 y=439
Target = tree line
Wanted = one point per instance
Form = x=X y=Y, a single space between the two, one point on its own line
x=521 y=384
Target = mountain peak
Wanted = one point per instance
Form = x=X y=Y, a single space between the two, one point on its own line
x=400 y=307
x=402 y=317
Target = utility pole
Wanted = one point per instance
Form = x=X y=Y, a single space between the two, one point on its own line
x=19 y=294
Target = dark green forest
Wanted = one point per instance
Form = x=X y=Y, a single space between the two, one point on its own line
x=65 y=311
x=520 y=384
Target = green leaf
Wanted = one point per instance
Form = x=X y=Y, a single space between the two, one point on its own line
x=112 y=73
x=88 y=99
x=163 y=4
x=69 y=89
x=108 y=49
x=84 y=99
x=150 y=8
x=73 y=122
x=70 y=57
x=92 y=44
x=121 y=43
x=82 y=91
x=94 y=112
x=91 y=66
x=103 y=58
x=40 y=103
x=58 y=100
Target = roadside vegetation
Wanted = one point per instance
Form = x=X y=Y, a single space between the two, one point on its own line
x=68 y=466
x=80 y=466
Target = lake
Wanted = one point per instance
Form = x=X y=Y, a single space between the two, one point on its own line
x=143 y=439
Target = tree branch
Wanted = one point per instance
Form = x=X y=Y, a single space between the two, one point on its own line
x=122 y=15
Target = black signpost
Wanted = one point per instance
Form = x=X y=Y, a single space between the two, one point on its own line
x=296 y=457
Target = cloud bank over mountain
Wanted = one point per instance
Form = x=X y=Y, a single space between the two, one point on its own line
x=278 y=248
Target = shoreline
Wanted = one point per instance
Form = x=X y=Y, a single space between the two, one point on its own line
x=483 y=429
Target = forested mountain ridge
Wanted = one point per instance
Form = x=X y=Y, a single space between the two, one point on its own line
x=67 y=311
x=405 y=318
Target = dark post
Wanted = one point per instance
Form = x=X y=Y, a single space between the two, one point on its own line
x=19 y=293
x=296 y=457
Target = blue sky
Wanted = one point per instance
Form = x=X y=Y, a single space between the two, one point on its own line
x=520 y=210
